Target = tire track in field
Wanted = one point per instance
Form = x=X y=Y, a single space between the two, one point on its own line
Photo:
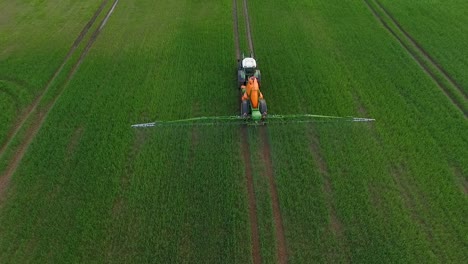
x=245 y=149
x=42 y=115
x=413 y=50
x=282 y=254
x=281 y=248
x=426 y=54
x=248 y=29
x=25 y=116
x=236 y=30
x=335 y=227
x=256 y=256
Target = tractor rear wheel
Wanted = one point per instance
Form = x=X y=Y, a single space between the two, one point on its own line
x=263 y=107
x=244 y=108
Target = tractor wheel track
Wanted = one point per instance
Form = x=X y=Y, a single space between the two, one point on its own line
x=447 y=92
x=423 y=51
x=25 y=116
x=42 y=115
x=245 y=149
x=256 y=256
x=236 y=29
x=248 y=28
x=282 y=254
x=253 y=219
x=281 y=247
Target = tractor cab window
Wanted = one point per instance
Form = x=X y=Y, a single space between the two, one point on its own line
x=249 y=71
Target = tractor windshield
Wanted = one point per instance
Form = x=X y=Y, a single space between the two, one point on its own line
x=250 y=71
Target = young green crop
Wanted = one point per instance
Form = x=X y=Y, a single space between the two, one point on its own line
x=394 y=194
x=440 y=29
x=92 y=188
x=34 y=38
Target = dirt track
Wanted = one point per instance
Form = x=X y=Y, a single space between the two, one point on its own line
x=247 y=29
x=251 y=194
x=236 y=29
x=42 y=115
x=281 y=248
x=256 y=256
x=282 y=253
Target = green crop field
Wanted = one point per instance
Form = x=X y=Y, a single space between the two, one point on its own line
x=78 y=184
x=440 y=28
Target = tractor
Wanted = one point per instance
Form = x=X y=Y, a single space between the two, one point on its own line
x=253 y=105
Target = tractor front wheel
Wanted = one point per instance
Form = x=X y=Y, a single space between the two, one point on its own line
x=240 y=78
x=258 y=75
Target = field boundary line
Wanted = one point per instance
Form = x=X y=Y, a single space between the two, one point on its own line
x=281 y=248
x=42 y=115
x=426 y=54
x=418 y=57
x=22 y=119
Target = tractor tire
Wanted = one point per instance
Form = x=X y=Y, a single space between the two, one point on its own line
x=258 y=75
x=244 y=108
x=263 y=107
x=240 y=78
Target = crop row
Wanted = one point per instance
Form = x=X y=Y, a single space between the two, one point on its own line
x=93 y=188
x=90 y=188
x=440 y=29
x=391 y=191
